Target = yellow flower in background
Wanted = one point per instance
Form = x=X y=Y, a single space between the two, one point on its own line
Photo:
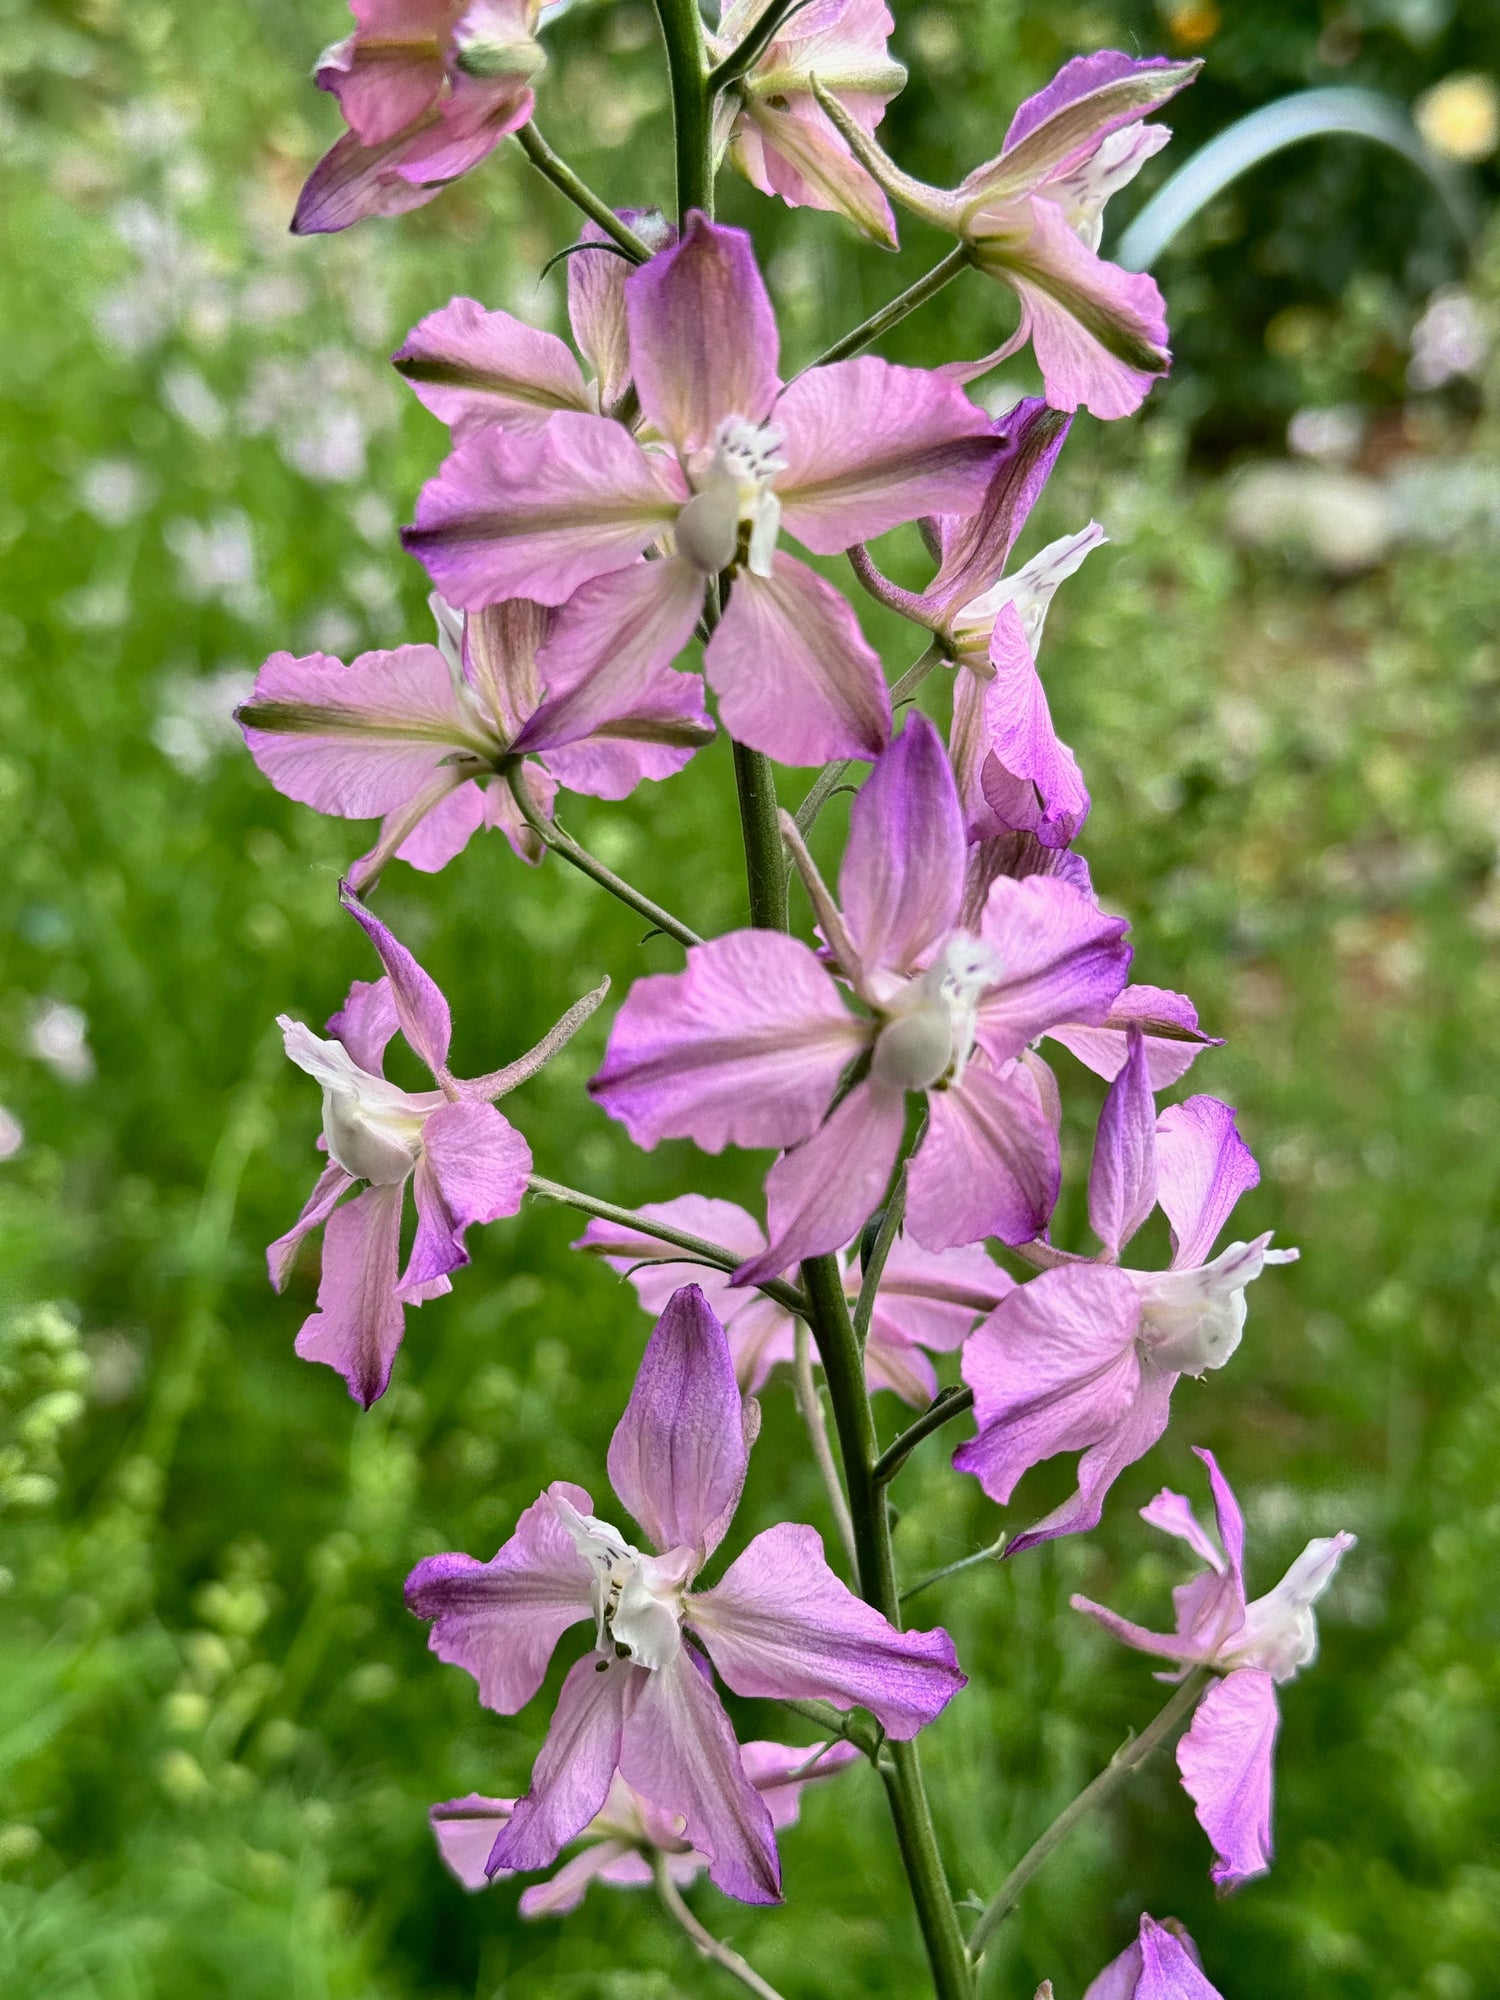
x=1460 y=117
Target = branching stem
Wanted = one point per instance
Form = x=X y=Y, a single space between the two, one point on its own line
x=552 y=835
x=707 y=1944
x=951 y=1403
x=556 y=169
x=895 y=310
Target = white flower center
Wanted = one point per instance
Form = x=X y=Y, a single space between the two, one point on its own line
x=1280 y=1634
x=373 y=1128
x=1192 y=1320
x=929 y=1035
x=735 y=489
x=637 y=1598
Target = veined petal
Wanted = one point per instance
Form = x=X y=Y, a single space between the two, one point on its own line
x=820 y=1194
x=1028 y=778
x=500 y=1620
x=473 y=1169
x=443 y=830
x=537 y=516
x=781 y=1626
x=474 y=117
x=328 y=1190
x=1161 y=1645
x=932 y=1298
x=571 y=1778
x=465 y=1830
x=869 y=445
x=1089 y=97
x=1167 y=1021
x=353 y=181
x=1203 y=1167
x=903 y=869
x=794 y=673
x=793 y=151
x=1169 y=1966
x=665 y=725
x=359 y=1323
x=1101 y=1465
x=390 y=70
x=1122 y=1179
x=596 y=299
x=366 y=1022
x=1062 y=959
x=975 y=546
x=420 y=1006
x=656 y=1270
x=1225 y=1760
x=471 y=367
x=988 y=1164
x=744 y=1047
x=779 y=1771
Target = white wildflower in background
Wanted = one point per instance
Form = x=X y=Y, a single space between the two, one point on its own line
x=12 y=1134
x=1450 y=339
x=58 y=1036
x=115 y=490
x=189 y=398
x=216 y=562
x=195 y=725
x=321 y=410
x=1334 y=434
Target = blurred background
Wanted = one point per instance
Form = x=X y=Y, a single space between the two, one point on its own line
x=219 y=1730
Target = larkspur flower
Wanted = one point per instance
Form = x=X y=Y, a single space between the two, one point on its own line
x=1032 y=218
x=565 y=513
x=747 y=1046
x=1160 y=1964
x=641 y=1704
x=776 y=132
x=423 y=735
x=1225 y=1758
x=464 y=1162
x=928 y=1301
x=428 y=89
x=627 y=1832
x=1085 y=1356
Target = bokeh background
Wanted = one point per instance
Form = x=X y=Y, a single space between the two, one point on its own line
x=219 y=1731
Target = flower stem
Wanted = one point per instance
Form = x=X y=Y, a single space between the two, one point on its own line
x=874 y=1271
x=1126 y=1761
x=756 y=41
x=765 y=861
x=810 y=1404
x=692 y=116
x=554 y=168
x=708 y=1945
x=992 y=1554
x=552 y=835
x=895 y=310
x=951 y=1403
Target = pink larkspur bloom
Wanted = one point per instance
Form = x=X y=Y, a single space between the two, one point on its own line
x=563 y=514
x=1161 y=1963
x=928 y=1301
x=779 y=136
x=423 y=735
x=642 y=1703
x=1033 y=216
x=747 y=1046
x=1085 y=1356
x=428 y=89
x=464 y=1162
x=621 y=1839
x=1226 y=1756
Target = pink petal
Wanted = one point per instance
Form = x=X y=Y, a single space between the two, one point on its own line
x=359 y=1323
x=975 y=545
x=1099 y=1468
x=794 y=673
x=1231 y=1523
x=1169 y=1966
x=328 y=1189
x=1028 y=777
x=988 y=1164
x=1122 y=1179
x=537 y=516
x=779 y=1772
x=1019 y=855
x=703 y=341
x=1161 y=1645
x=465 y=1830
x=743 y=1048
x=1225 y=1761
x=570 y=1779
x=869 y=445
x=476 y=115
x=679 y=1453
x=1173 y=1515
x=604 y=1860
x=1054 y=1368
x=420 y=1006
x=781 y=1626
x=473 y=1169
x=796 y=153
x=1090 y=97
x=820 y=1194
x=500 y=1620
x=441 y=833
x=353 y=181
x=657 y=1270
x=1105 y=1047
x=596 y=302
x=366 y=1022
x=680 y=1751
x=931 y=1298
x=902 y=875
x=1063 y=960
x=471 y=367
x=905 y=1371
x=665 y=727
x=384 y=87
x=1203 y=1166
x=499 y=658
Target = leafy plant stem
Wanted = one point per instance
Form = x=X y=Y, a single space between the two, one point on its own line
x=692 y=120
x=951 y=1403
x=895 y=310
x=707 y=1944
x=552 y=835
x=551 y=166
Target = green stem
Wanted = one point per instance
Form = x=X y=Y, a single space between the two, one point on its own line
x=836 y=1726
x=992 y=1554
x=692 y=105
x=747 y=53
x=706 y=1943
x=870 y=1276
x=810 y=1407
x=896 y=309
x=765 y=859
x=1126 y=1761
x=552 y=835
x=554 y=168
x=950 y=1403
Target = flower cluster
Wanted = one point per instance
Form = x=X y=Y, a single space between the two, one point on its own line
x=600 y=515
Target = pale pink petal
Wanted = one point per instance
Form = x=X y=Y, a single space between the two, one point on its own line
x=744 y=1047
x=779 y=1771
x=1225 y=1761
x=602 y=1860
x=761 y=1335
x=1028 y=777
x=442 y=832
x=1019 y=855
x=781 y=1626
x=1203 y=1167
x=596 y=300
x=476 y=115
x=975 y=546
x=794 y=673
x=502 y=812
x=465 y=1830
x=1161 y=1645
x=359 y=1323
x=500 y=1620
x=1169 y=1022
x=1063 y=959
x=473 y=1169
x=1231 y=1522
x=1122 y=1179
x=366 y=1022
x=988 y=1164
x=703 y=340
x=1169 y=1965
x=353 y=181
x=471 y=367
x=820 y=1194
x=902 y=875
x=571 y=1778
x=538 y=515
x=1100 y=1466
x=666 y=726
x=904 y=1370
x=932 y=1298
x=420 y=1006
x=657 y=1270
x=1089 y=97
x=794 y=151
x=328 y=1190
x=679 y=1453
x=384 y=81
x=1173 y=1514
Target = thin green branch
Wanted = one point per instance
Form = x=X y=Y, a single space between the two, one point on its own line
x=706 y=1943
x=810 y=1405
x=895 y=310
x=553 y=836
x=951 y=1403
x=836 y=1726
x=554 y=168
x=870 y=1276
x=748 y=52
x=993 y=1553
x=692 y=119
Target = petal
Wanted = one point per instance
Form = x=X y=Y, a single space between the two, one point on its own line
x=680 y=1751
x=1019 y=855
x=473 y=1169
x=869 y=445
x=820 y=1194
x=356 y=741
x=1161 y=1645
x=1099 y=1468
x=366 y=1022
x=1173 y=1514
x=1028 y=777
x=353 y=181
x=656 y=1270
x=387 y=73
x=1169 y=1966
x=328 y=1189
x=564 y=1891
x=465 y=1830
x=975 y=546
x=359 y=1323
x=1225 y=1761
x=500 y=1620
x=988 y=1164
x=743 y=1048
x=781 y=1626
x=931 y=1298
x=679 y=1453
x=703 y=341
x=664 y=727
x=570 y=1779
x=1063 y=959
x=420 y=1006
x=1170 y=1053
x=905 y=1371
x=1089 y=97
x=471 y=367
x=1054 y=1368
x=1122 y=1178
x=442 y=832
x=536 y=516
x=1203 y=1167
x=794 y=673
x=795 y=152
x=779 y=1771
x=902 y=875
x=596 y=300
x=1231 y=1522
